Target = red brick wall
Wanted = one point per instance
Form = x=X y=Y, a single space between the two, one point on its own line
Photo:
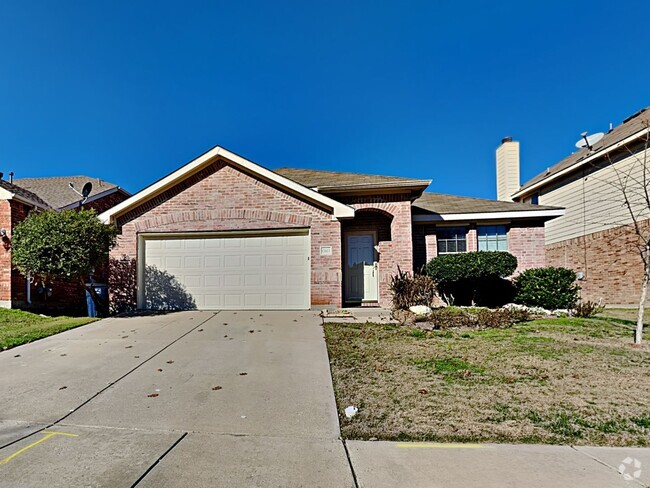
x=109 y=201
x=609 y=259
x=525 y=242
x=223 y=198
x=5 y=253
x=399 y=250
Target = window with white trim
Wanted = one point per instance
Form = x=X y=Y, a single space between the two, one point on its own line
x=492 y=238
x=451 y=240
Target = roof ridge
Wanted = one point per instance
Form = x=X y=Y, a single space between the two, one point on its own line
x=348 y=173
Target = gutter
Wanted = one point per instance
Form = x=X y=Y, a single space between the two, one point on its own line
x=522 y=214
x=97 y=196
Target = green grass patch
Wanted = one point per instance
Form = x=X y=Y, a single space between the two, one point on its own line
x=18 y=327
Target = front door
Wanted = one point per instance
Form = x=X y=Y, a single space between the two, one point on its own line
x=361 y=282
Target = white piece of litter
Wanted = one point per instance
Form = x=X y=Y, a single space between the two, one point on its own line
x=351 y=411
x=243 y=416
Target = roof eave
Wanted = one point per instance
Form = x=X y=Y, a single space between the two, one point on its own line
x=8 y=195
x=512 y=214
x=338 y=209
x=525 y=190
x=95 y=197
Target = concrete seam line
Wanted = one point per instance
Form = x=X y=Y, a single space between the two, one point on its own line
x=347 y=455
x=599 y=461
x=160 y=458
x=95 y=395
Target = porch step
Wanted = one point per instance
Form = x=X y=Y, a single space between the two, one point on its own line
x=370 y=304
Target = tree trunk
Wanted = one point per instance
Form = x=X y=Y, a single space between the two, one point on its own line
x=638 y=333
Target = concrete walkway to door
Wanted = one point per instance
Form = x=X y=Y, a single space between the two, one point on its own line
x=187 y=399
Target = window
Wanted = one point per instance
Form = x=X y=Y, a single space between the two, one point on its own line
x=492 y=238
x=451 y=240
x=534 y=199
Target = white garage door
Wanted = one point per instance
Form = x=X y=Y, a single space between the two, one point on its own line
x=243 y=272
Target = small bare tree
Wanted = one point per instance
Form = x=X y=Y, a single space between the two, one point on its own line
x=631 y=184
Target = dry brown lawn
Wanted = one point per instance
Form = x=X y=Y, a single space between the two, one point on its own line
x=560 y=381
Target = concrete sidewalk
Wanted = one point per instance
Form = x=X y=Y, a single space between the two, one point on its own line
x=429 y=465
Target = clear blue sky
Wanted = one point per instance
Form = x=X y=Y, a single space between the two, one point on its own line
x=130 y=91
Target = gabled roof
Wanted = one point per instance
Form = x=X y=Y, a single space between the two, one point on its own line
x=334 y=181
x=338 y=209
x=634 y=126
x=58 y=194
x=9 y=191
x=438 y=206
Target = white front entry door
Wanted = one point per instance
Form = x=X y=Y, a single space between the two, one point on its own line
x=261 y=272
x=361 y=268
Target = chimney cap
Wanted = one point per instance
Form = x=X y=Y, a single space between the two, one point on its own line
x=506 y=139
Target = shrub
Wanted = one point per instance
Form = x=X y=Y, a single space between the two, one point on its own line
x=499 y=319
x=444 y=318
x=474 y=277
x=549 y=287
x=585 y=310
x=409 y=290
x=483 y=318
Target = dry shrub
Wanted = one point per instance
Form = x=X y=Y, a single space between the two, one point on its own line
x=409 y=290
x=587 y=309
x=500 y=318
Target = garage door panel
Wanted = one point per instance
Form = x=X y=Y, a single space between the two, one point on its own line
x=213 y=262
x=232 y=261
x=241 y=272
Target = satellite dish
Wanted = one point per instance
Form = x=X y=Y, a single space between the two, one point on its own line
x=589 y=141
x=85 y=191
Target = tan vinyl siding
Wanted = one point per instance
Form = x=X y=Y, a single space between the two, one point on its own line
x=594 y=200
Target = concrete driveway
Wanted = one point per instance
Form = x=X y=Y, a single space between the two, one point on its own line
x=186 y=399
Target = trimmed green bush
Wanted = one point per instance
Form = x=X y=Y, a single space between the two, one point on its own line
x=549 y=287
x=474 y=277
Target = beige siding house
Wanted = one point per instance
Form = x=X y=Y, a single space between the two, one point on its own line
x=595 y=236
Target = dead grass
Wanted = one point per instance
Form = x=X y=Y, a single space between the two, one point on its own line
x=561 y=381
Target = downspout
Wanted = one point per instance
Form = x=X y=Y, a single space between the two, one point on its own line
x=29 y=288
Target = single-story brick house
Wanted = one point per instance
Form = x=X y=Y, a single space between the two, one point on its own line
x=235 y=235
x=20 y=197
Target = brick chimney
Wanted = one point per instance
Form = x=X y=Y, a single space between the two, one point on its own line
x=507 y=169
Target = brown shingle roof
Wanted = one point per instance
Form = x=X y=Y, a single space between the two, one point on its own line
x=440 y=203
x=334 y=180
x=25 y=194
x=633 y=124
x=57 y=192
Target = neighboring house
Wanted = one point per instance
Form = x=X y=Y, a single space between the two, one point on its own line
x=15 y=205
x=226 y=233
x=17 y=199
x=57 y=193
x=594 y=237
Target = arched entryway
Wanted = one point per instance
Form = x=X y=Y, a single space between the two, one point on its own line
x=362 y=237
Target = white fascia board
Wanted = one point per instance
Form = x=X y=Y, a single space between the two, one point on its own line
x=579 y=164
x=521 y=214
x=339 y=210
